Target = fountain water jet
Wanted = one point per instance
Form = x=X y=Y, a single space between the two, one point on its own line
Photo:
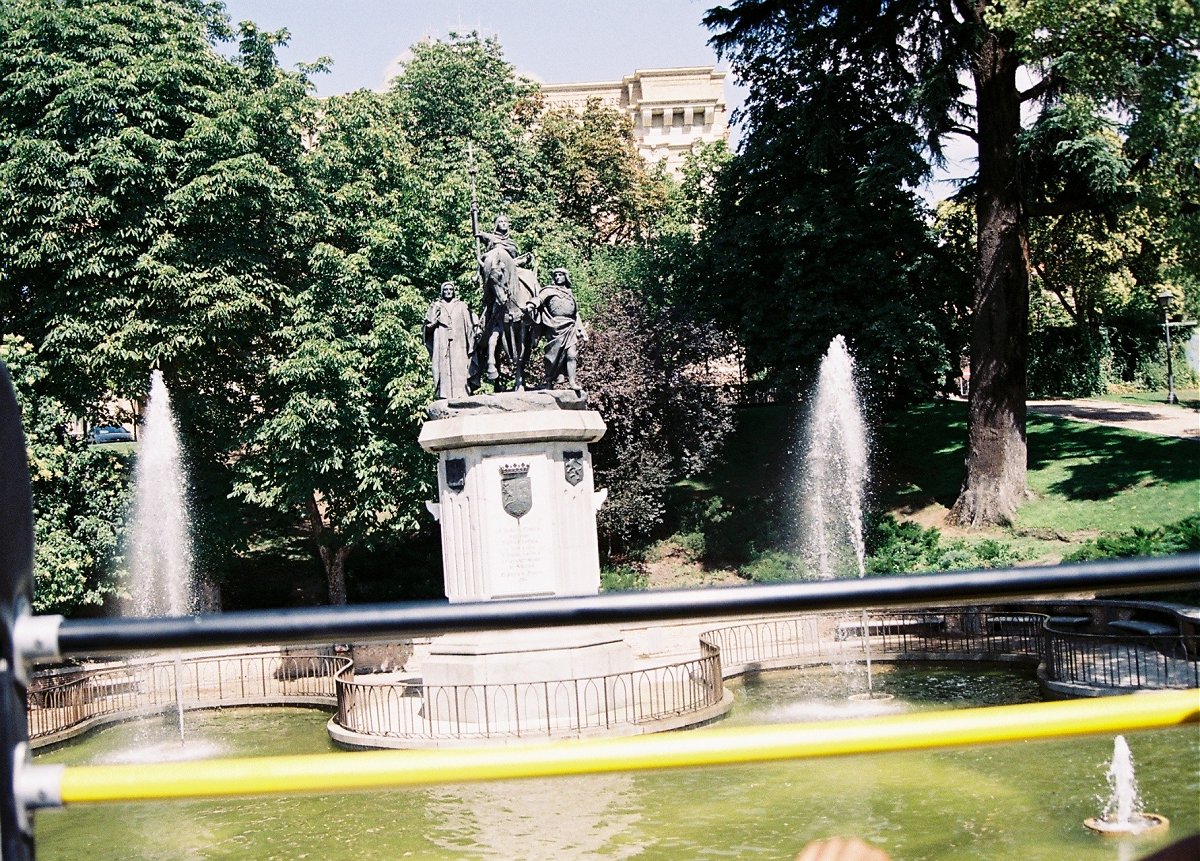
x=160 y=547
x=835 y=468
x=1123 y=813
x=835 y=477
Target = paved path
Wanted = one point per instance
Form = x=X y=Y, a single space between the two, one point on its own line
x=1164 y=420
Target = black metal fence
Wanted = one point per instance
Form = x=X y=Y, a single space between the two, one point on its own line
x=1122 y=662
x=1111 y=660
x=566 y=707
x=63 y=703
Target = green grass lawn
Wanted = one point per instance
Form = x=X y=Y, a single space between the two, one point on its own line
x=1189 y=398
x=1084 y=479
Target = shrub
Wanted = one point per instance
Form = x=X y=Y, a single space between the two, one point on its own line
x=1180 y=537
x=623 y=578
x=905 y=547
x=687 y=546
x=1068 y=361
x=775 y=566
x=896 y=547
x=691 y=545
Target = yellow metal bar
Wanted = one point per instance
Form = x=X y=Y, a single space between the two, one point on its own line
x=340 y=772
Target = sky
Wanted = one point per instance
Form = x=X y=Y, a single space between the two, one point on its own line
x=551 y=41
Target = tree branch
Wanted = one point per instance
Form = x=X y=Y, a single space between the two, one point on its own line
x=1072 y=312
x=1062 y=206
x=1039 y=89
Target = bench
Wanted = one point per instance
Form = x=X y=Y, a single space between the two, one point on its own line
x=1150 y=629
x=1013 y=624
x=877 y=627
x=1070 y=621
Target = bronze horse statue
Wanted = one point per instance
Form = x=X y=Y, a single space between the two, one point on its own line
x=507 y=289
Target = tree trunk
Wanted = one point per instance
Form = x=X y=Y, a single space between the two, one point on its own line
x=334 y=559
x=333 y=555
x=996 y=450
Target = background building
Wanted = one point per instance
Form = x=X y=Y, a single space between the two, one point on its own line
x=671 y=109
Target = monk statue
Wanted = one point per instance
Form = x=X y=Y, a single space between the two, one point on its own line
x=450 y=331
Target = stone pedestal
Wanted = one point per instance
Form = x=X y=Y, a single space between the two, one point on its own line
x=521 y=681
x=527 y=656
x=516 y=500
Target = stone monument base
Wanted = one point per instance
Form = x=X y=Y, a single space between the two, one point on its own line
x=522 y=687
x=512 y=657
x=516 y=499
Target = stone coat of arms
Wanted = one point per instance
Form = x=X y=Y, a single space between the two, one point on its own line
x=516 y=492
x=573 y=466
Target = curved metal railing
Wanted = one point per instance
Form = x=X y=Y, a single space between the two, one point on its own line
x=1099 y=656
x=1122 y=661
x=413 y=710
x=64 y=703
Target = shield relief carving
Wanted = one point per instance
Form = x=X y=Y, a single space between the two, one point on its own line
x=573 y=466
x=516 y=492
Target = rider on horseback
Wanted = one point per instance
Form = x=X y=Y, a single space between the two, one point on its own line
x=507 y=287
x=500 y=250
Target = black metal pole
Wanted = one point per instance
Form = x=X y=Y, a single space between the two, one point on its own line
x=381 y=621
x=16 y=597
x=1172 y=398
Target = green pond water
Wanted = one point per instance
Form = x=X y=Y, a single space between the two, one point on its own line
x=1010 y=801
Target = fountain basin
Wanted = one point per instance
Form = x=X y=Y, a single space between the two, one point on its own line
x=939 y=806
x=872 y=695
x=1143 y=823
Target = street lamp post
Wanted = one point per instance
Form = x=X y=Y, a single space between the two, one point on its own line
x=1165 y=298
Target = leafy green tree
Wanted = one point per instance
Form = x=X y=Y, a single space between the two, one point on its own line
x=886 y=67
x=80 y=494
x=602 y=186
x=452 y=97
x=337 y=436
x=335 y=440
x=96 y=100
x=156 y=212
x=817 y=230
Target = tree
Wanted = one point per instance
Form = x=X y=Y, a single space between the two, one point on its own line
x=641 y=368
x=337 y=435
x=818 y=230
x=334 y=442
x=450 y=97
x=155 y=212
x=601 y=184
x=92 y=142
x=909 y=63
x=80 y=493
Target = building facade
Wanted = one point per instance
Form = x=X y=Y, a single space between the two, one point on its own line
x=671 y=109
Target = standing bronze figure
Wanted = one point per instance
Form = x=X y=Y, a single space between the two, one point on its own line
x=450 y=333
x=556 y=315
